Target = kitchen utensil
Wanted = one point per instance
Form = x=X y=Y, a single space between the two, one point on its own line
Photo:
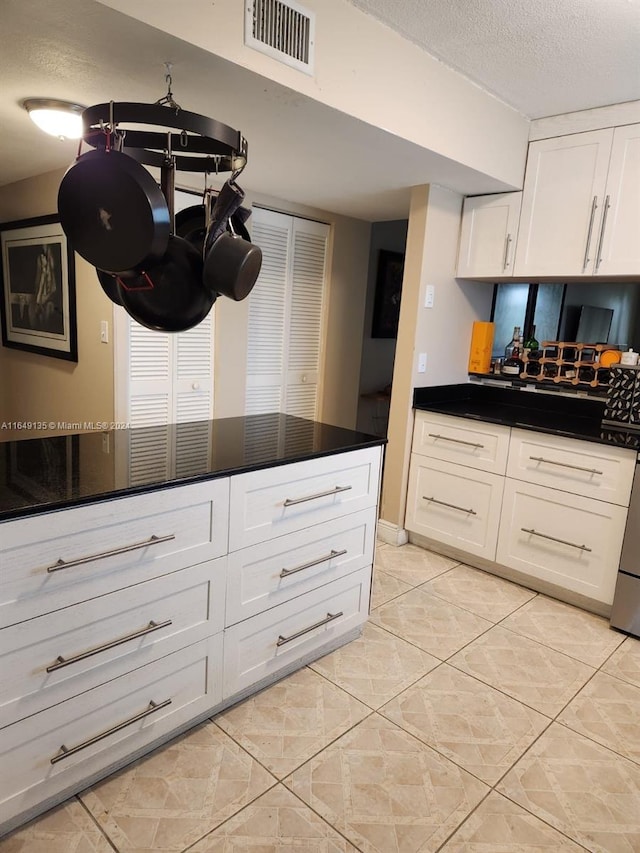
x=113 y=212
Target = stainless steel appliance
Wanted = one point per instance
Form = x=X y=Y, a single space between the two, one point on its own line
x=625 y=613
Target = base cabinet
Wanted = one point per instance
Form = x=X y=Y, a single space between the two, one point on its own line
x=554 y=514
x=124 y=622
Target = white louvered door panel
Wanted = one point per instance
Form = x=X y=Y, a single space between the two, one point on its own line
x=193 y=398
x=267 y=313
x=285 y=315
x=305 y=324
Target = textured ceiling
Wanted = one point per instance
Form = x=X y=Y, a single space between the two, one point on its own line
x=543 y=57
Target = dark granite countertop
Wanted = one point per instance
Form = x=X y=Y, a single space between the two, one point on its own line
x=42 y=474
x=574 y=417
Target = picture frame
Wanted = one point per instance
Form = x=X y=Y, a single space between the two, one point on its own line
x=38 y=289
x=386 y=306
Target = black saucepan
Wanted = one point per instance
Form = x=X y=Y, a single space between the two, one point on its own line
x=190 y=224
x=113 y=212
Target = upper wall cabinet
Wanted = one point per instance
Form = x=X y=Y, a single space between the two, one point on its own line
x=580 y=207
x=488 y=235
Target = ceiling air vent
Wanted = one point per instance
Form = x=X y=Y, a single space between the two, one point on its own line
x=284 y=31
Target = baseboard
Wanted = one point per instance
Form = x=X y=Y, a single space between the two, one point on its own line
x=391 y=534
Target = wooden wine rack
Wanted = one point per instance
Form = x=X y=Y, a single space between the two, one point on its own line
x=567 y=363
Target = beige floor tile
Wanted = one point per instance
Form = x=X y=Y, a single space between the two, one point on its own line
x=385 y=587
x=500 y=826
x=173 y=797
x=386 y=791
x=608 y=711
x=567 y=629
x=412 y=564
x=535 y=674
x=484 y=594
x=290 y=721
x=277 y=822
x=581 y=788
x=625 y=662
x=474 y=725
x=430 y=623
x=65 y=829
x=375 y=667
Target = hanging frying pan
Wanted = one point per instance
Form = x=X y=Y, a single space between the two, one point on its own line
x=191 y=224
x=113 y=212
x=169 y=296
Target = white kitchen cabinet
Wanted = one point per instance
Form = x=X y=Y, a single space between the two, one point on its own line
x=455 y=505
x=562 y=200
x=564 y=539
x=488 y=235
x=581 y=205
x=619 y=240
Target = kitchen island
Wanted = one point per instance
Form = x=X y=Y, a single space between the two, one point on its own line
x=534 y=487
x=143 y=592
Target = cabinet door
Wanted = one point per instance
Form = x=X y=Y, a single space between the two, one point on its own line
x=454 y=505
x=619 y=238
x=562 y=201
x=488 y=234
x=564 y=539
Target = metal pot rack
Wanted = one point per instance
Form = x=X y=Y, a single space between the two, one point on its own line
x=200 y=144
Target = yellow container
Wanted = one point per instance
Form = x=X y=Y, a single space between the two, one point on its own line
x=481 y=346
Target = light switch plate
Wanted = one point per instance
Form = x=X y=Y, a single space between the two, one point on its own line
x=429 y=296
x=422 y=362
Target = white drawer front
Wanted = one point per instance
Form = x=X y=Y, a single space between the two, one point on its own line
x=580 y=467
x=576 y=544
x=455 y=505
x=273 y=572
x=259 y=647
x=188 y=678
x=468 y=442
x=33 y=582
x=101 y=639
x=275 y=501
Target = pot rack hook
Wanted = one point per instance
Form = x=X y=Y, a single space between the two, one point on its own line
x=168 y=98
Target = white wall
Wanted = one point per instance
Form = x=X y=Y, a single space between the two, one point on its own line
x=368 y=71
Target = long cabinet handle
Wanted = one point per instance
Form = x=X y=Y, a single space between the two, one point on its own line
x=66 y=751
x=594 y=205
x=61 y=662
x=507 y=246
x=292 y=501
x=555 y=539
x=455 y=440
x=67 y=564
x=328 y=618
x=607 y=205
x=565 y=465
x=451 y=506
x=286 y=572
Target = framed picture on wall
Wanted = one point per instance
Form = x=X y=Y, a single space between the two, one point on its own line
x=386 y=306
x=38 y=288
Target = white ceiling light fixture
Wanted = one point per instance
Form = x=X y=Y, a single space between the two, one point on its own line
x=58 y=118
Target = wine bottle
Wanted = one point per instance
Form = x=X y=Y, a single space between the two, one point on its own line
x=531 y=344
x=514 y=343
x=513 y=362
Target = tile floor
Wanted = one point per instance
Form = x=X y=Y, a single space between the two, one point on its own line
x=472 y=716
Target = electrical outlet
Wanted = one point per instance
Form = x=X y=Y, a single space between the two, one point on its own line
x=429 y=296
x=422 y=362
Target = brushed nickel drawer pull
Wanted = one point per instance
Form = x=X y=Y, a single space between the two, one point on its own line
x=555 y=539
x=66 y=751
x=292 y=501
x=607 y=205
x=586 y=259
x=151 y=627
x=455 y=440
x=328 y=618
x=451 y=506
x=566 y=465
x=67 y=564
x=286 y=572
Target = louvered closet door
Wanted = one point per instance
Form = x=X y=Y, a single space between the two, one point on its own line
x=285 y=315
x=193 y=397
